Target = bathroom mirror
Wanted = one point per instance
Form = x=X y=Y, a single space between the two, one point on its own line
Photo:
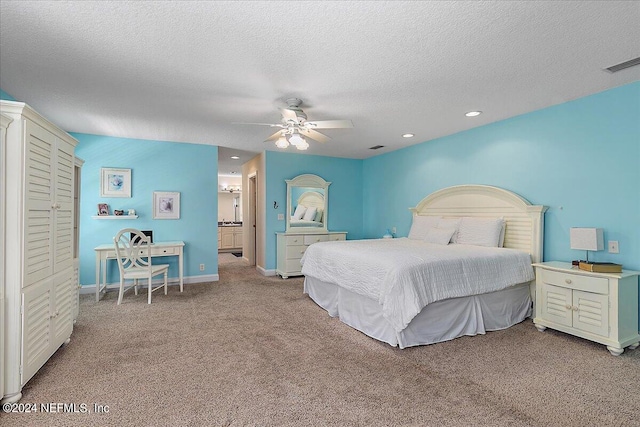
x=307 y=204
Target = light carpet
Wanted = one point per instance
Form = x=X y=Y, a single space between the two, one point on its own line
x=250 y=350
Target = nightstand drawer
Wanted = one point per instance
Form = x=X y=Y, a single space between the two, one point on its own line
x=596 y=285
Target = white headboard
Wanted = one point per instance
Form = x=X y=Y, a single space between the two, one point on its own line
x=312 y=199
x=524 y=222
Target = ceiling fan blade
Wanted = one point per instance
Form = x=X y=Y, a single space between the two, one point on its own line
x=314 y=135
x=274 y=136
x=289 y=115
x=273 y=125
x=330 y=124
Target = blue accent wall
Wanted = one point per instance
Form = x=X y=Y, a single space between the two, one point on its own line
x=580 y=158
x=345 y=193
x=191 y=169
x=4 y=95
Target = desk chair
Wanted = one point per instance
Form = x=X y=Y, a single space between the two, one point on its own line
x=134 y=262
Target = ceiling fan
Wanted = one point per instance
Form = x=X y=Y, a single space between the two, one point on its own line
x=294 y=126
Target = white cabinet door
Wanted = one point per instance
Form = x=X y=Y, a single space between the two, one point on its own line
x=591 y=312
x=64 y=206
x=39 y=200
x=62 y=309
x=237 y=237
x=557 y=304
x=227 y=240
x=36 y=328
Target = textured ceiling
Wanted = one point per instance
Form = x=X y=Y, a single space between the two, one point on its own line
x=185 y=71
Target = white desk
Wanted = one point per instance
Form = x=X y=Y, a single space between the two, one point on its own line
x=108 y=251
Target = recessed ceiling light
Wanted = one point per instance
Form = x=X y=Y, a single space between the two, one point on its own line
x=473 y=113
x=408 y=135
x=235 y=157
x=234 y=172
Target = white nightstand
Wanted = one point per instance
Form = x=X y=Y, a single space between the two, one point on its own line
x=601 y=307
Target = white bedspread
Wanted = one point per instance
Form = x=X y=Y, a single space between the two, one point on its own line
x=405 y=275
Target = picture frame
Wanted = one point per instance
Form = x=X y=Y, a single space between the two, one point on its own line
x=166 y=205
x=103 y=209
x=115 y=182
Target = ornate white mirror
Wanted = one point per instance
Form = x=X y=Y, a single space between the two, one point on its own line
x=307 y=204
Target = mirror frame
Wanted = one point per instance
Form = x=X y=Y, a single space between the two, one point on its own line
x=307 y=181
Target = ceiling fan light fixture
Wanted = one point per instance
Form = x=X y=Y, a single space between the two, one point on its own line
x=296 y=140
x=302 y=145
x=282 y=142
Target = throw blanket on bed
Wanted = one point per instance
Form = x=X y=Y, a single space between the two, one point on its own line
x=405 y=275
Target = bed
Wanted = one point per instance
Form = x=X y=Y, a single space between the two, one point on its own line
x=309 y=210
x=423 y=290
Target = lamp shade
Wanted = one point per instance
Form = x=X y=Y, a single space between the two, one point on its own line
x=587 y=239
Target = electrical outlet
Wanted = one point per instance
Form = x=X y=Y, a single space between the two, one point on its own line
x=201 y=267
x=613 y=247
x=393 y=231
x=280 y=217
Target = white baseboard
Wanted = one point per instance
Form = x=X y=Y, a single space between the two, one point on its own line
x=265 y=272
x=173 y=281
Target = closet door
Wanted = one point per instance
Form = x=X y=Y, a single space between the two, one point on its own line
x=39 y=203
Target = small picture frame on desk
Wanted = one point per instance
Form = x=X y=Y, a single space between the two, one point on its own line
x=103 y=209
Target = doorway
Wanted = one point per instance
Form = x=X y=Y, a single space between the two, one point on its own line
x=252 y=199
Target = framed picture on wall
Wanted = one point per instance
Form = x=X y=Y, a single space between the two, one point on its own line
x=115 y=182
x=166 y=205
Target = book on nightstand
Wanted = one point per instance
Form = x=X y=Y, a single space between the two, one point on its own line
x=600 y=267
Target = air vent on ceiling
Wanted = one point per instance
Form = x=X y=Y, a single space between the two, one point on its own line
x=623 y=65
x=376 y=147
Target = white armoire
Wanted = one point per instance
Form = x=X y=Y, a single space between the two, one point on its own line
x=39 y=285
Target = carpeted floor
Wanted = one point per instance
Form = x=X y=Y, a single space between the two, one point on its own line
x=254 y=351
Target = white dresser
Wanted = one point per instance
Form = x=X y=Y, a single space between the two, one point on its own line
x=601 y=307
x=291 y=247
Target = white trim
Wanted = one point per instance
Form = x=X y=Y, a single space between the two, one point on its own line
x=173 y=281
x=265 y=272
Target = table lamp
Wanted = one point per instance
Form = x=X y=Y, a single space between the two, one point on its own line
x=587 y=239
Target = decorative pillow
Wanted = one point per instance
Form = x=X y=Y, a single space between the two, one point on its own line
x=448 y=223
x=300 y=210
x=480 y=231
x=421 y=224
x=310 y=214
x=439 y=236
x=318 y=217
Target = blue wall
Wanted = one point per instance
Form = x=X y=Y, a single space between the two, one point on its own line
x=4 y=95
x=191 y=169
x=581 y=158
x=345 y=193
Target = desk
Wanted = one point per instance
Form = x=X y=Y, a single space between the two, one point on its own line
x=108 y=251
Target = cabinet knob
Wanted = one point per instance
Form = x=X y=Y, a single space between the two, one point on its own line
x=567 y=281
x=574 y=308
x=567 y=306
